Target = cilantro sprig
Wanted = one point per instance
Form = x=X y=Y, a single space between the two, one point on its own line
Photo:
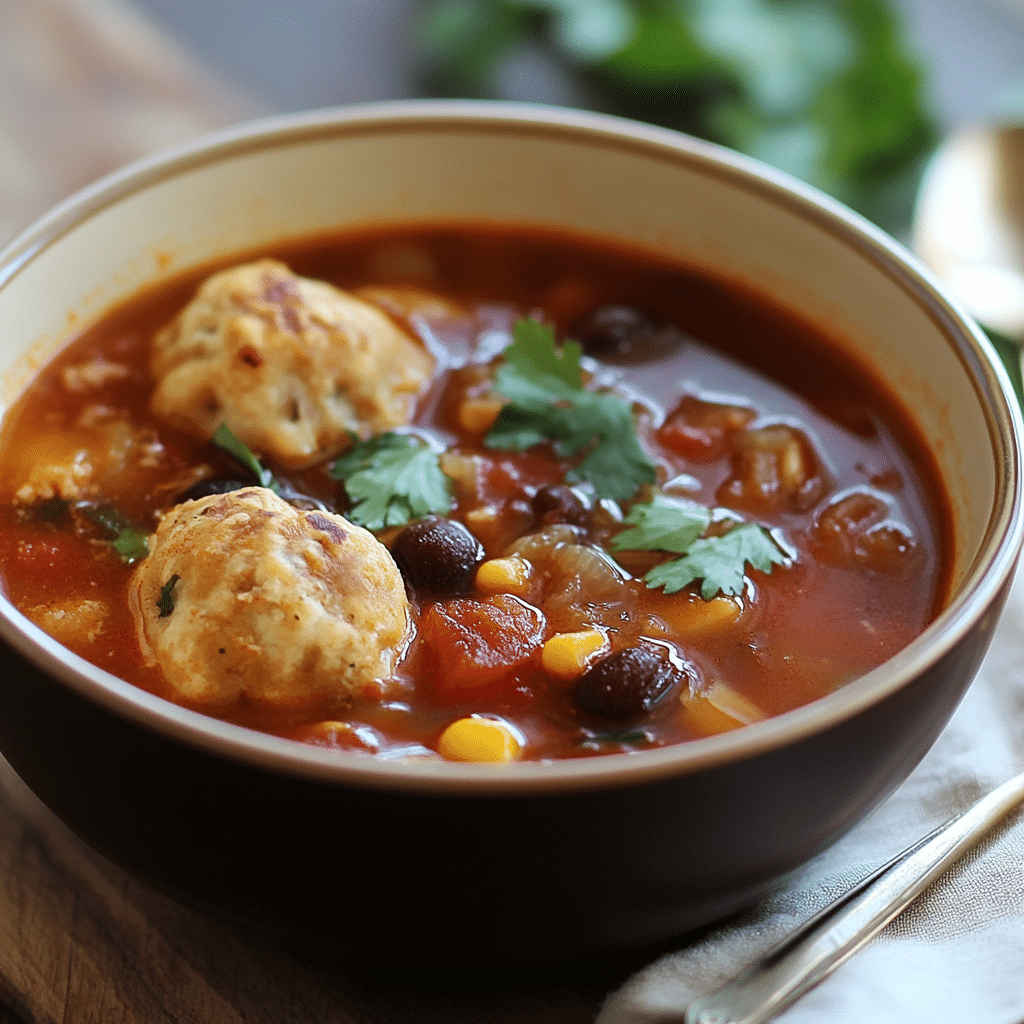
x=224 y=439
x=678 y=527
x=548 y=402
x=391 y=479
x=125 y=537
x=165 y=603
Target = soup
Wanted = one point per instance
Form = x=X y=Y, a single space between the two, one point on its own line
x=469 y=493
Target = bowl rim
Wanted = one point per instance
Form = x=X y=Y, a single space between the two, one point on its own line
x=983 y=581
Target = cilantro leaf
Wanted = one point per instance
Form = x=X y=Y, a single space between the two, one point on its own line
x=666 y=524
x=166 y=600
x=522 y=425
x=224 y=439
x=535 y=370
x=127 y=539
x=130 y=544
x=663 y=525
x=616 y=465
x=547 y=402
x=719 y=561
x=392 y=478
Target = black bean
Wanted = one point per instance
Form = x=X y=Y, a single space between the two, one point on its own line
x=438 y=556
x=626 y=684
x=625 y=334
x=303 y=502
x=559 y=504
x=222 y=485
x=212 y=485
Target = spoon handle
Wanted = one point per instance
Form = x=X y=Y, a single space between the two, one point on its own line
x=834 y=934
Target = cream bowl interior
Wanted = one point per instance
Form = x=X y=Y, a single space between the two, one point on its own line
x=429 y=162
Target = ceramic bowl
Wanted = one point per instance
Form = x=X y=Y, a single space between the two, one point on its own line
x=490 y=865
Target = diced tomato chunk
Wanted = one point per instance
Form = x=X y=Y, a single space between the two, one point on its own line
x=701 y=431
x=774 y=467
x=477 y=643
x=857 y=529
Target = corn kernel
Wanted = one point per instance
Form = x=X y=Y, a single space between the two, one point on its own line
x=478 y=414
x=479 y=739
x=566 y=655
x=465 y=470
x=502 y=575
x=482 y=515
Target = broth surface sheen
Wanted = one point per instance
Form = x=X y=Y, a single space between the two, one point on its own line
x=738 y=405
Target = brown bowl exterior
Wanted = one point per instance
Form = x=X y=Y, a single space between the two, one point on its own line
x=475 y=865
x=465 y=882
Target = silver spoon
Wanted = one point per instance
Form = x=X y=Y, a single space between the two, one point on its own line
x=815 y=950
x=968 y=224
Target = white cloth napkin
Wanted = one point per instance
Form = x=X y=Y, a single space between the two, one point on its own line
x=957 y=953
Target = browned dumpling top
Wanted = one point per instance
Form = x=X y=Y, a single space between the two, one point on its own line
x=244 y=594
x=291 y=365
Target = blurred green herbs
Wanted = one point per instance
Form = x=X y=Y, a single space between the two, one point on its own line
x=1010 y=355
x=823 y=89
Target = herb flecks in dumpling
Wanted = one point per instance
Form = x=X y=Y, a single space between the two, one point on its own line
x=242 y=594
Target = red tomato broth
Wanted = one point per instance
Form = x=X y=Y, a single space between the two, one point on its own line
x=812 y=627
